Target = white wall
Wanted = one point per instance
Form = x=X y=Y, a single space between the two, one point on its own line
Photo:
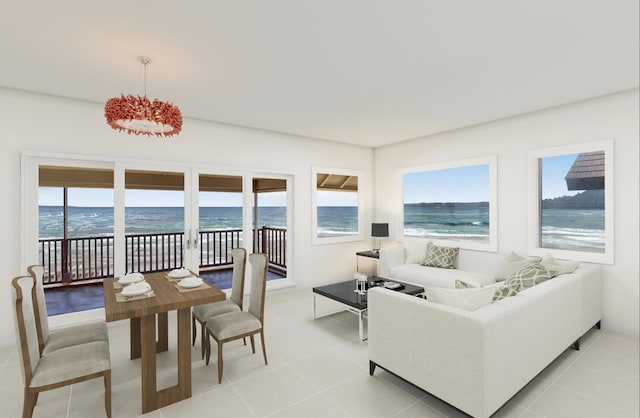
x=511 y=139
x=39 y=123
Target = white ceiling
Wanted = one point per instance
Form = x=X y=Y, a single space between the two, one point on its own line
x=367 y=72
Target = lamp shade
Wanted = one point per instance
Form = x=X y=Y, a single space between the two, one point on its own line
x=379 y=230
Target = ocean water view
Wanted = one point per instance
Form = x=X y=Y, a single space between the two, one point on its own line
x=574 y=229
x=464 y=222
x=98 y=221
x=567 y=229
x=337 y=221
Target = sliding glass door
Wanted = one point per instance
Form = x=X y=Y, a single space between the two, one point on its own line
x=269 y=221
x=218 y=224
x=88 y=220
x=155 y=234
x=75 y=223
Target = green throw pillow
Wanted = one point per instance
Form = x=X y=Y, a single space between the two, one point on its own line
x=442 y=257
x=527 y=276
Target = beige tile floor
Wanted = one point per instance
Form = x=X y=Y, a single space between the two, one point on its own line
x=319 y=369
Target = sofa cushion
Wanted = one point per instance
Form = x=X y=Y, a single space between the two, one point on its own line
x=415 y=251
x=469 y=299
x=433 y=276
x=441 y=257
x=528 y=275
x=556 y=267
x=511 y=263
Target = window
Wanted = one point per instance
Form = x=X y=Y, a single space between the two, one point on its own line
x=337 y=212
x=572 y=202
x=453 y=202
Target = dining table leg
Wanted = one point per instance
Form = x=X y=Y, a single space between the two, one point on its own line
x=148 y=363
x=152 y=398
x=162 y=343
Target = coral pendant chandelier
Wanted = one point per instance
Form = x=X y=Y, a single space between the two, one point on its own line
x=141 y=116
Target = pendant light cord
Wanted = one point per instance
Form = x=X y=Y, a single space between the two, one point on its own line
x=145 y=61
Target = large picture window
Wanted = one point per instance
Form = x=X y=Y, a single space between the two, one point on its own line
x=572 y=202
x=451 y=202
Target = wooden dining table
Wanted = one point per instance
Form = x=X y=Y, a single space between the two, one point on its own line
x=144 y=313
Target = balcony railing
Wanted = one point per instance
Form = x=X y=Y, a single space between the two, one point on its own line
x=76 y=260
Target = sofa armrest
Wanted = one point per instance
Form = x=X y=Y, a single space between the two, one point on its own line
x=438 y=348
x=390 y=257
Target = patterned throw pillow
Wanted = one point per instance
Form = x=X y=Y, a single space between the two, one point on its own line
x=504 y=291
x=442 y=257
x=501 y=291
x=528 y=276
x=463 y=285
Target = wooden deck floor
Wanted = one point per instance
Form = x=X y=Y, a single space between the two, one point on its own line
x=61 y=300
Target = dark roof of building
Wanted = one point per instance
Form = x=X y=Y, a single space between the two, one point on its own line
x=587 y=172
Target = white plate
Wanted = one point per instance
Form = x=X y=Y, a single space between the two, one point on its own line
x=136 y=289
x=131 y=278
x=179 y=273
x=190 y=282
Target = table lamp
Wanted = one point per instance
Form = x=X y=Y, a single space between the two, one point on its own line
x=379 y=231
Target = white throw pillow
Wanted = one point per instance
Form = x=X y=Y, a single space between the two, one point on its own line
x=557 y=267
x=512 y=263
x=467 y=299
x=415 y=251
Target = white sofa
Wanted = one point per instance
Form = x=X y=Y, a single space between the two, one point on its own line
x=477 y=360
x=402 y=262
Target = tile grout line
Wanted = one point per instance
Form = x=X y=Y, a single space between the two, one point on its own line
x=608 y=405
x=69 y=401
x=552 y=382
x=233 y=387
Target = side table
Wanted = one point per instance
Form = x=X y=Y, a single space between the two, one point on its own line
x=368 y=254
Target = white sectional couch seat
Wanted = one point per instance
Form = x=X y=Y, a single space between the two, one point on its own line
x=403 y=262
x=477 y=360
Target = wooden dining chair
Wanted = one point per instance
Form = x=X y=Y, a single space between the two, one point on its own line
x=50 y=341
x=59 y=368
x=203 y=313
x=235 y=325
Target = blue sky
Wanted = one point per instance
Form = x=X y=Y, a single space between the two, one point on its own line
x=327 y=198
x=52 y=196
x=460 y=184
x=471 y=184
x=553 y=171
x=463 y=184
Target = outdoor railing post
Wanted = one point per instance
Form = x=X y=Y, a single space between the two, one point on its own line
x=265 y=249
x=66 y=260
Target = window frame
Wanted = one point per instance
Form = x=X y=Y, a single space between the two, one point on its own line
x=359 y=236
x=492 y=162
x=535 y=195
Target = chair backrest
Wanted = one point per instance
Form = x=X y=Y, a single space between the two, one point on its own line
x=258 y=284
x=42 y=317
x=25 y=326
x=237 y=285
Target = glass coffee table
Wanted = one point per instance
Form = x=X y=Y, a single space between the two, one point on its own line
x=344 y=293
